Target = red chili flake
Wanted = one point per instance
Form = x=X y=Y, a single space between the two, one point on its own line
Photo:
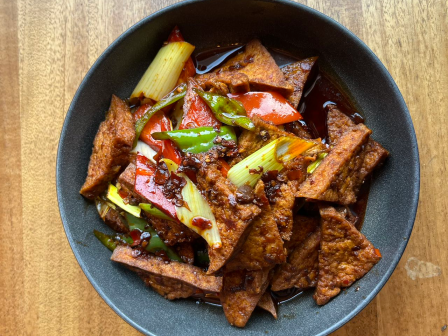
x=162 y=173
x=136 y=237
x=123 y=194
x=202 y=223
x=294 y=174
x=256 y=171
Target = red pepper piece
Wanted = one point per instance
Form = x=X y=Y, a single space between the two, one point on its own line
x=175 y=36
x=377 y=252
x=189 y=69
x=269 y=106
x=199 y=114
x=146 y=187
x=224 y=167
x=158 y=123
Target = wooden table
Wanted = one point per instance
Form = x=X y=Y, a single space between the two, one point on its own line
x=46 y=49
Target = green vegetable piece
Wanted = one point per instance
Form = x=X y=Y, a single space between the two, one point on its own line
x=227 y=110
x=106 y=240
x=123 y=239
x=172 y=97
x=155 y=243
x=111 y=242
x=313 y=166
x=152 y=210
x=202 y=258
x=114 y=197
x=138 y=224
x=196 y=140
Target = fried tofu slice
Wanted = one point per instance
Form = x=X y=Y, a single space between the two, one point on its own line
x=336 y=179
x=241 y=293
x=224 y=82
x=296 y=75
x=126 y=181
x=282 y=208
x=116 y=221
x=185 y=252
x=263 y=247
x=374 y=155
x=302 y=228
x=284 y=201
x=338 y=124
x=188 y=274
x=170 y=289
x=259 y=66
x=171 y=232
x=267 y=303
x=301 y=270
x=345 y=255
x=232 y=217
x=111 y=148
x=297 y=129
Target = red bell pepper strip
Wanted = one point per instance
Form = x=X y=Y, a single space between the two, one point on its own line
x=146 y=187
x=189 y=69
x=199 y=113
x=158 y=123
x=269 y=106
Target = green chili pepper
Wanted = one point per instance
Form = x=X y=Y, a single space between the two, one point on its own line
x=227 y=110
x=136 y=223
x=172 y=97
x=111 y=242
x=196 y=140
x=152 y=210
x=155 y=243
x=202 y=258
x=106 y=240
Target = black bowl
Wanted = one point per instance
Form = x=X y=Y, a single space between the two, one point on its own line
x=292 y=27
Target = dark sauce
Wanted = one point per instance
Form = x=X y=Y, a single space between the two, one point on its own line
x=210 y=298
x=208 y=60
x=319 y=91
x=317 y=95
x=360 y=207
x=285 y=295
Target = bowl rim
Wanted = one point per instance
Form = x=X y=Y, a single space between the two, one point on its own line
x=312 y=12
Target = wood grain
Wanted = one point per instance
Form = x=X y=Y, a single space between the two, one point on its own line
x=46 y=47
